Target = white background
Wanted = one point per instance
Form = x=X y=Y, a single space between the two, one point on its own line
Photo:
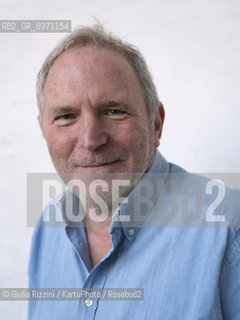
x=192 y=48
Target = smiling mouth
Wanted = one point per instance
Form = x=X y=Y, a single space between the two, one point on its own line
x=98 y=166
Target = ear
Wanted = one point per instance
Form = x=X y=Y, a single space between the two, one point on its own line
x=158 y=124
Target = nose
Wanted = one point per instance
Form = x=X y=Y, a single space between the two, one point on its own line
x=92 y=132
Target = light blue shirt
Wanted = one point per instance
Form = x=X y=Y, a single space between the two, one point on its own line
x=188 y=269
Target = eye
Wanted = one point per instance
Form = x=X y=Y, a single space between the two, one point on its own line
x=65 y=119
x=67 y=116
x=115 y=113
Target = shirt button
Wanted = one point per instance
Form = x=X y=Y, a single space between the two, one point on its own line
x=131 y=231
x=88 y=302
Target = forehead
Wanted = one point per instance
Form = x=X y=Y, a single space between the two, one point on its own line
x=93 y=68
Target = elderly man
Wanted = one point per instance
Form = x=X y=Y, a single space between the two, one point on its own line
x=142 y=237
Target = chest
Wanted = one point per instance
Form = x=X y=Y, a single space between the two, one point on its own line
x=98 y=246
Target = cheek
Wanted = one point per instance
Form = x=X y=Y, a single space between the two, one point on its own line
x=60 y=145
x=129 y=136
x=125 y=140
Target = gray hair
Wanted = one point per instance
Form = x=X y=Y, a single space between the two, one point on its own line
x=97 y=37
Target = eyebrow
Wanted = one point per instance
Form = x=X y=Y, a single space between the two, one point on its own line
x=61 y=110
x=110 y=103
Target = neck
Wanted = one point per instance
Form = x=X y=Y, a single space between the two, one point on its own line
x=99 y=239
x=97 y=220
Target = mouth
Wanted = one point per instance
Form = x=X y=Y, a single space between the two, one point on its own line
x=105 y=166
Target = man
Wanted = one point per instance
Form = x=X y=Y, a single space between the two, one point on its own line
x=142 y=220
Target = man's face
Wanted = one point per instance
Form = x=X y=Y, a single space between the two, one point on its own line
x=94 y=117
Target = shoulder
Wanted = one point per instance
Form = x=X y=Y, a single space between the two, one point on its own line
x=206 y=193
x=216 y=198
